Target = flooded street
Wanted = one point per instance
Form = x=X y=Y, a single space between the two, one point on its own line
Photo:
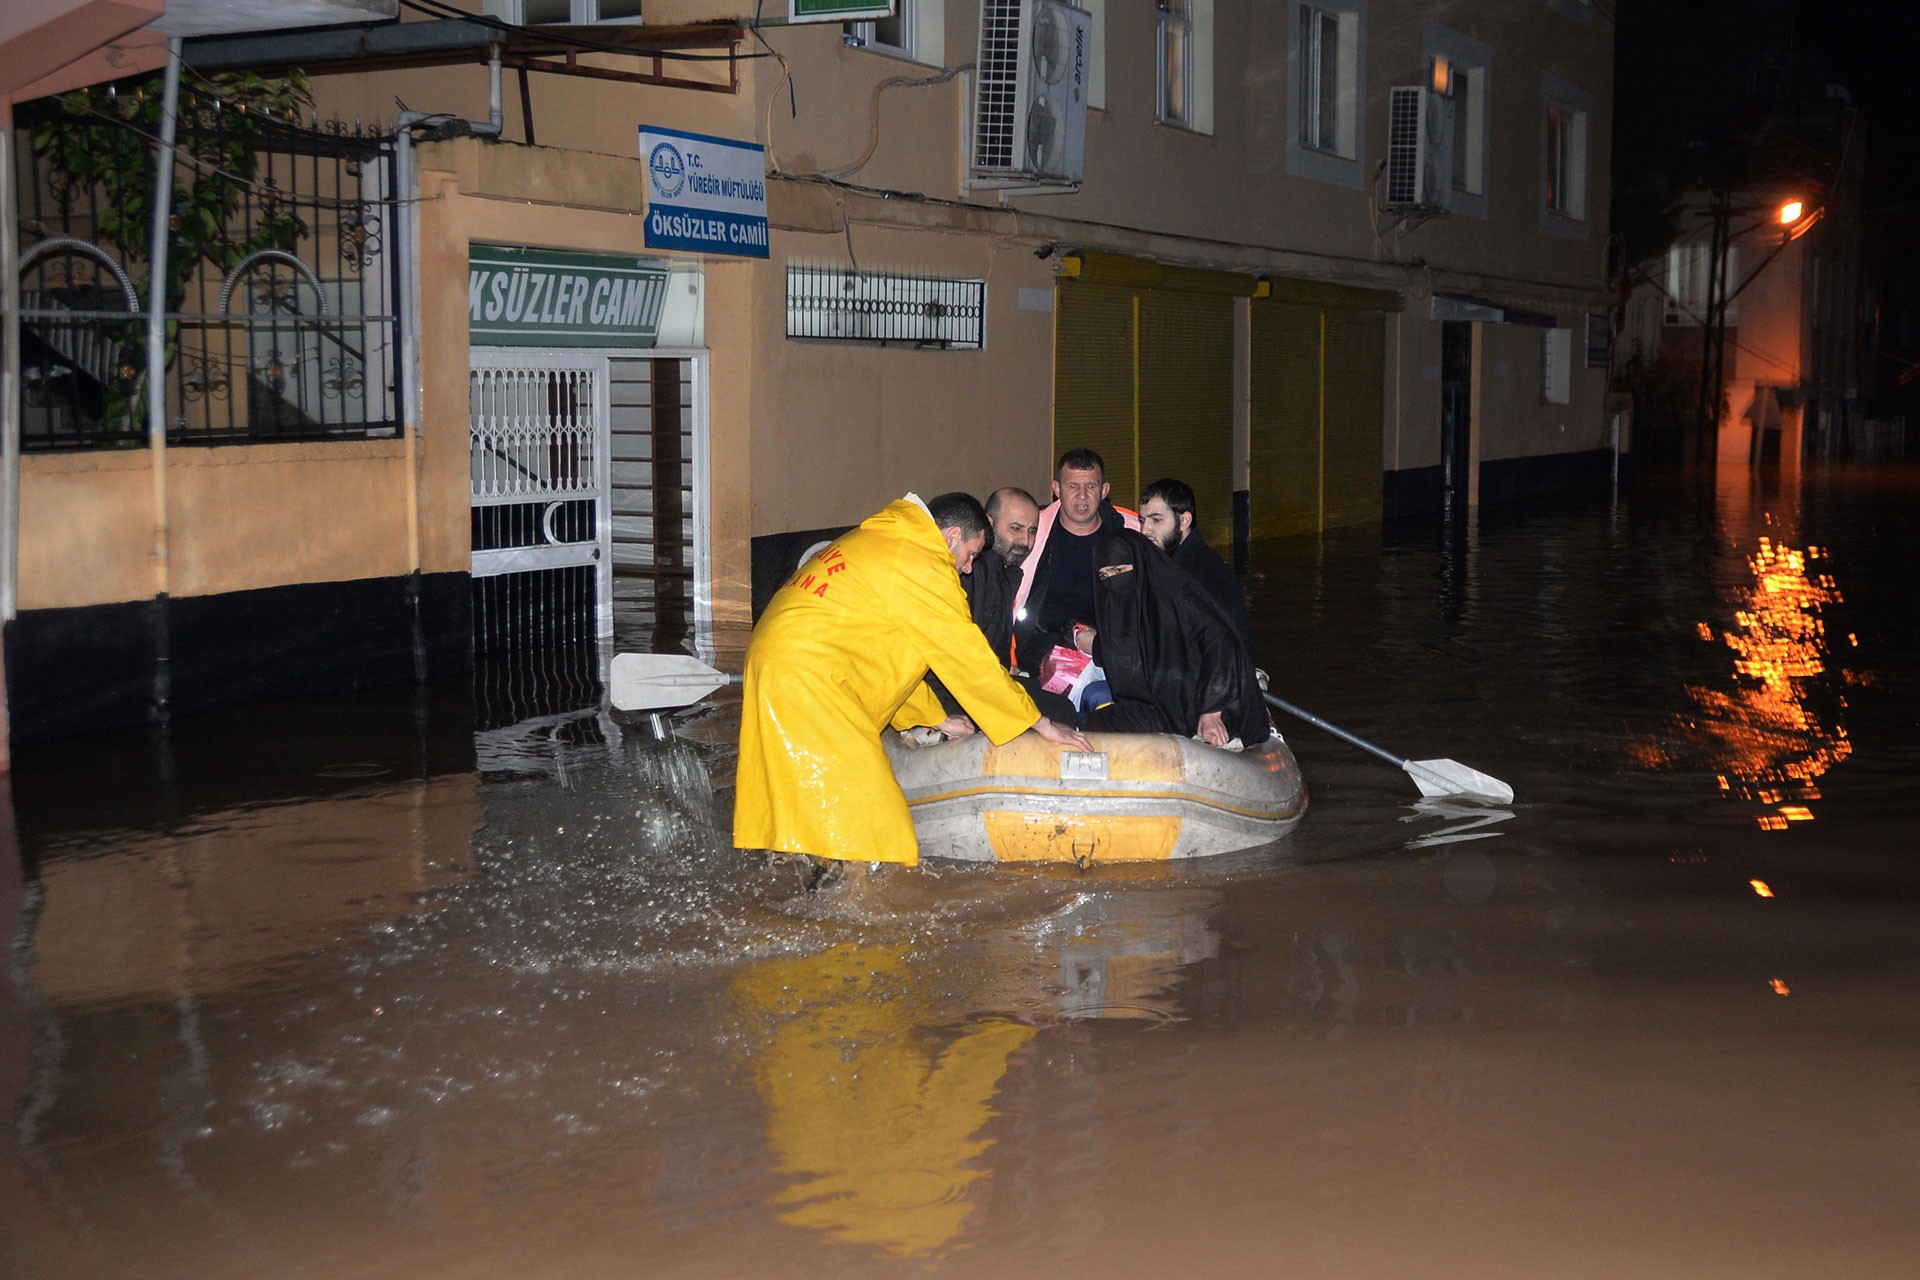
x=391 y=987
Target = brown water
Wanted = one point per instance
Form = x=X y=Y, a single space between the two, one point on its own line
x=368 y=989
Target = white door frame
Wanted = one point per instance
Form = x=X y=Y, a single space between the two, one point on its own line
x=556 y=555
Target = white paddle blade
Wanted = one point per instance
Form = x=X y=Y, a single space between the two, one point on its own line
x=1451 y=778
x=655 y=681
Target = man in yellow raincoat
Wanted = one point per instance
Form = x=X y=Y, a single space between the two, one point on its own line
x=842 y=652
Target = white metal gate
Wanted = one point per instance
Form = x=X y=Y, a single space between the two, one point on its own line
x=542 y=555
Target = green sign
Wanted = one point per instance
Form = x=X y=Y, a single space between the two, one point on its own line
x=542 y=298
x=837 y=10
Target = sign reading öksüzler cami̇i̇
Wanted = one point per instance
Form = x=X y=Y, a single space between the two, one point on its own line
x=543 y=298
x=703 y=193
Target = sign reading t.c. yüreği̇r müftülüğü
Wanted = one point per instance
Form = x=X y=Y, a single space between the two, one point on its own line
x=703 y=193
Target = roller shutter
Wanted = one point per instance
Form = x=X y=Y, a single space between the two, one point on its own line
x=1093 y=376
x=1316 y=414
x=1284 y=430
x=1144 y=375
x=1355 y=374
x=1186 y=401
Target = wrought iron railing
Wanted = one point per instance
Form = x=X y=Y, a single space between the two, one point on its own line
x=283 y=325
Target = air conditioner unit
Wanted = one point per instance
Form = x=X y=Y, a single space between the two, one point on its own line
x=1419 y=149
x=1030 y=94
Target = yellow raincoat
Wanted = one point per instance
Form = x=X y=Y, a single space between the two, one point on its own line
x=841 y=652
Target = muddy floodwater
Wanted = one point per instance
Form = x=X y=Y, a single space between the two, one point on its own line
x=408 y=985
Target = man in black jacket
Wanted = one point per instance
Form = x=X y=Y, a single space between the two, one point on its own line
x=1167 y=514
x=990 y=587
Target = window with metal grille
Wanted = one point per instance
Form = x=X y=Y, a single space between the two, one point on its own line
x=840 y=304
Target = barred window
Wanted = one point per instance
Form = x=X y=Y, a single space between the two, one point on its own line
x=840 y=304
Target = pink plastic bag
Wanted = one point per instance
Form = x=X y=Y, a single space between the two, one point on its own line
x=1059 y=669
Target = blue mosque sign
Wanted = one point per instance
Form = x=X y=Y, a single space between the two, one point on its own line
x=704 y=193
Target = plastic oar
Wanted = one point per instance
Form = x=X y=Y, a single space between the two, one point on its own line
x=652 y=681
x=1433 y=777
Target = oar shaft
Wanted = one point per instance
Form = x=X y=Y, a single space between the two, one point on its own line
x=1334 y=729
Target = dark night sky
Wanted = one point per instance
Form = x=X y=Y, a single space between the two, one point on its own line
x=1853 y=43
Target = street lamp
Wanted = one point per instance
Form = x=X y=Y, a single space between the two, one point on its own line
x=1791 y=215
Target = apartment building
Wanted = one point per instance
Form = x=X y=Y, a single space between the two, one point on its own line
x=661 y=294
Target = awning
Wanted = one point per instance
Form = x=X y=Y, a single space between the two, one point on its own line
x=1452 y=306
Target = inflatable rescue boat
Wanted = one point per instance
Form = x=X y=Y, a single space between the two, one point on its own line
x=1136 y=797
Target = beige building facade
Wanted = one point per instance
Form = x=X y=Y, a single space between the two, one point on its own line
x=1227 y=291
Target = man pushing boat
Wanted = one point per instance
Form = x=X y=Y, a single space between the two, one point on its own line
x=842 y=652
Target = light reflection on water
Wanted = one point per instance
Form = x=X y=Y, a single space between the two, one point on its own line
x=1773 y=727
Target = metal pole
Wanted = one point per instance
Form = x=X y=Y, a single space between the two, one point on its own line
x=1713 y=337
x=9 y=413
x=157 y=380
x=9 y=369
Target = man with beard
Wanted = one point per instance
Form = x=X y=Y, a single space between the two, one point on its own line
x=1168 y=515
x=1056 y=586
x=1168 y=651
x=1014 y=517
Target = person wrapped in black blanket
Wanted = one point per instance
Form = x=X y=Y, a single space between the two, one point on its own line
x=1169 y=652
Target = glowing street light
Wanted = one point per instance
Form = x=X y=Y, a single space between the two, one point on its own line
x=1790 y=212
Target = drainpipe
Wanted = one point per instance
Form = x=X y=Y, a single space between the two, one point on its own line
x=412 y=378
x=9 y=412
x=157 y=383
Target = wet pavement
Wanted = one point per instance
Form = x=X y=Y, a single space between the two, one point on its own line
x=395 y=986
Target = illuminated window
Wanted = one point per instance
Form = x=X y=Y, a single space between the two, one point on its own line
x=1325 y=64
x=1467 y=80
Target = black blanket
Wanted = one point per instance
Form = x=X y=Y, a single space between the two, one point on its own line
x=1169 y=651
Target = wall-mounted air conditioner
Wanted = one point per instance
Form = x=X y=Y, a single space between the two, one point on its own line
x=1419 y=149
x=1030 y=94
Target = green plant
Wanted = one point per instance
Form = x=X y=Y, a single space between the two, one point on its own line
x=104 y=139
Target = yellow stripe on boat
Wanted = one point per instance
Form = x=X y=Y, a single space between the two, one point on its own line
x=1028 y=837
x=1134 y=798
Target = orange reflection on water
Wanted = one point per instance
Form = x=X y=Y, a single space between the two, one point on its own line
x=1776 y=729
